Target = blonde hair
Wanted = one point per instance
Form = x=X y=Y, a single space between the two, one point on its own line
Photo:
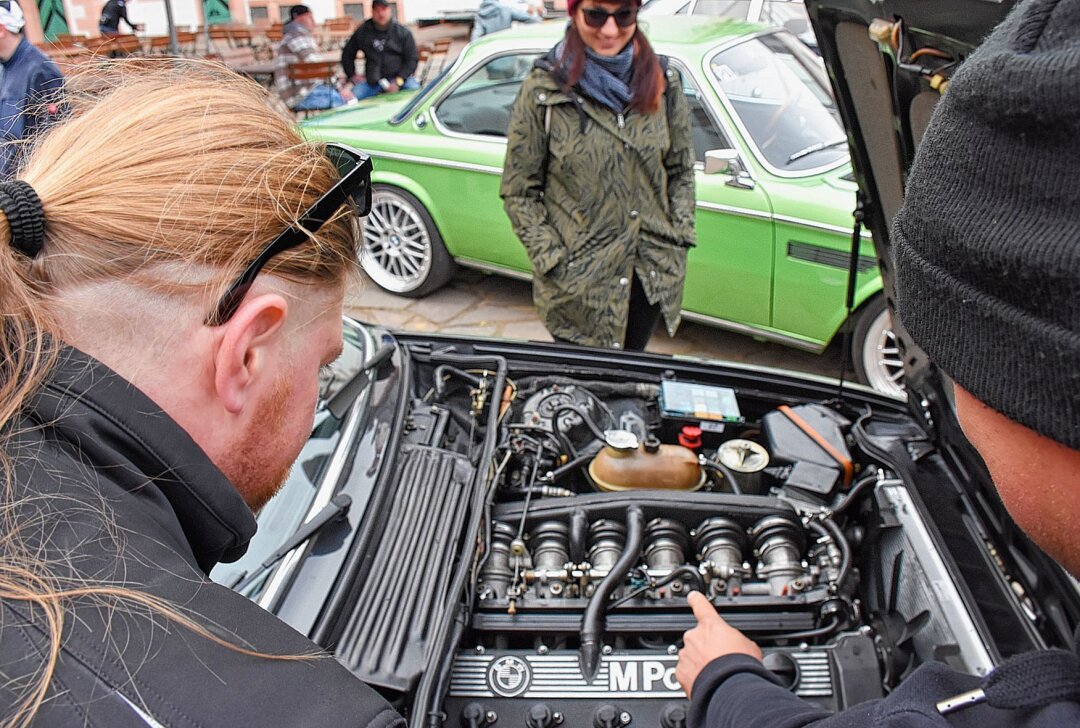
x=155 y=166
x=158 y=163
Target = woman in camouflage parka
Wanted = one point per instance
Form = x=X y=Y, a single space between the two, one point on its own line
x=599 y=181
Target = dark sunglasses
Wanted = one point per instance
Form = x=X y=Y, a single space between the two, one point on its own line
x=597 y=17
x=354 y=187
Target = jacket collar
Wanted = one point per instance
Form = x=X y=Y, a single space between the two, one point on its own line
x=136 y=445
x=20 y=50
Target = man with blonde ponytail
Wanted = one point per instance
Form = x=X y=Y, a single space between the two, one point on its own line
x=165 y=309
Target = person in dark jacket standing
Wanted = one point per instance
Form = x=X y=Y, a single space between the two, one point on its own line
x=29 y=88
x=987 y=283
x=390 y=55
x=111 y=15
x=599 y=181
x=158 y=373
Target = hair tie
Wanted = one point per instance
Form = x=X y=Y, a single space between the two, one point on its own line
x=25 y=216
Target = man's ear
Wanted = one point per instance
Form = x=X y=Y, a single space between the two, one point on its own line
x=250 y=340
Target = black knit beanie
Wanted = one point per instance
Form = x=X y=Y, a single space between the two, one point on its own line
x=987 y=244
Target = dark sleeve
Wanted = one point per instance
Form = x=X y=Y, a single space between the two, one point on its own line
x=679 y=162
x=410 y=57
x=524 y=180
x=737 y=691
x=124 y=17
x=348 y=54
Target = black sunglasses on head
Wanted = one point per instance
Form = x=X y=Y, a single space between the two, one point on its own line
x=597 y=17
x=353 y=187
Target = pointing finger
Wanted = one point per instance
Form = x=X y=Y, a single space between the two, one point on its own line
x=703 y=608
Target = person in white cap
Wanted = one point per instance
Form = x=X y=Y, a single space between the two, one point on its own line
x=29 y=88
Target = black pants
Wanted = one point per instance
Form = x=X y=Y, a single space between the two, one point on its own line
x=641 y=319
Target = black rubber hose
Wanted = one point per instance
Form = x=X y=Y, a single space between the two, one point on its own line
x=860 y=485
x=832 y=626
x=686 y=571
x=729 y=477
x=583 y=459
x=440 y=382
x=828 y=528
x=592 y=622
x=845 y=551
x=580 y=412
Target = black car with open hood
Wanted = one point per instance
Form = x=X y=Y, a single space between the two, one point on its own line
x=497 y=533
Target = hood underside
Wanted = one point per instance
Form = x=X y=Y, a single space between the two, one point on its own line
x=890 y=62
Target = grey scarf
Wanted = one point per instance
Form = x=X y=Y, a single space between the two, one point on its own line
x=606 y=79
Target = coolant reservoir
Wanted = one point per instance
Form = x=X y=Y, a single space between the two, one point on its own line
x=625 y=464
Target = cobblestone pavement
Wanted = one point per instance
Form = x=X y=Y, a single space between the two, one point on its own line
x=478 y=304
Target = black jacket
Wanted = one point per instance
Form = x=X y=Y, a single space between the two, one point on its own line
x=111 y=15
x=388 y=53
x=736 y=691
x=108 y=490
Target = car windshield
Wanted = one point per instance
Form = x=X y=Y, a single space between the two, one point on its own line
x=776 y=91
x=410 y=105
x=283 y=515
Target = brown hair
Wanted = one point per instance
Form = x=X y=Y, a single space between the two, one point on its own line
x=647 y=82
x=170 y=165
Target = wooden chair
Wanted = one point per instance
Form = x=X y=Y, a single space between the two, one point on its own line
x=274 y=33
x=240 y=37
x=427 y=55
x=126 y=45
x=311 y=73
x=336 y=32
x=114 y=46
x=423 y=63
x=65 y=56
x=237 y=57
x=219 y=35
x=441 y=49
x=186 y=40
x=65 y=39
x=159 y=44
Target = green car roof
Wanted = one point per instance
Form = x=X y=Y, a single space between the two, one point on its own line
x=687 y=32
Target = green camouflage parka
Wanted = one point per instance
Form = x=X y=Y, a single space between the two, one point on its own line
x=595 y=197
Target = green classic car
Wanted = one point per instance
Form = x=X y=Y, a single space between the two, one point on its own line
x=775 y=191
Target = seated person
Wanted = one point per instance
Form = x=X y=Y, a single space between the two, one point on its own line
x=298 y=45
x=390 y=55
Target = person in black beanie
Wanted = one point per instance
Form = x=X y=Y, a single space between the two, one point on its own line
x=987 y=267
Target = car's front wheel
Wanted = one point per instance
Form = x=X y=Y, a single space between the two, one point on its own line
x=876 y=352
x=402 y=250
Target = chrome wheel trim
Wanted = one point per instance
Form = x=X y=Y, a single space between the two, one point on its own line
x=881 y=357
x=396 y=251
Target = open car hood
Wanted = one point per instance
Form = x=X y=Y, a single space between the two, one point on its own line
x=889 y=62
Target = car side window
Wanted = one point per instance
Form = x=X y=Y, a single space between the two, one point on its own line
x=707 y=135
x=481 y=103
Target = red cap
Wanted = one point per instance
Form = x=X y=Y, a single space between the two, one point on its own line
x=690 y=437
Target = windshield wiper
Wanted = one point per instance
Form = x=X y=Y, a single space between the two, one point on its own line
x=343 y=399
x=816 y=148
x=332 y=511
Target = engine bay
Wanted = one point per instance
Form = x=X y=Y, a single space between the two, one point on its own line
x=556 y=519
